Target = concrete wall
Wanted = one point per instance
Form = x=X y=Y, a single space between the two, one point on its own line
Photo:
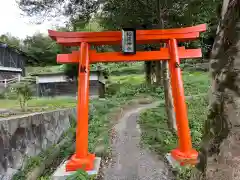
x=26 y=136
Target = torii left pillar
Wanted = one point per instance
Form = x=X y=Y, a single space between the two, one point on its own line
x=82 y=159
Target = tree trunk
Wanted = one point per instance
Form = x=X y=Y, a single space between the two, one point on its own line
x=165 y=76
x=148 y=72
x=168 y=97
x=158 y=64
x=220 y=150
x=158 y=73
x=153 y=73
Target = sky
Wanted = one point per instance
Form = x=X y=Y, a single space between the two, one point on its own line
x=11 y=21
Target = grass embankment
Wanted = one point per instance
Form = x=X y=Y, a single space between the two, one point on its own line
x=45 y=103
x=155 y=132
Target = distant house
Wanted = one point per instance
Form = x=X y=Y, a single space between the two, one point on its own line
x=12 y=64
x=57 y=84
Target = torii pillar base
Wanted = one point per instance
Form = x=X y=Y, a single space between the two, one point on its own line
x=190 y=157
x=62 y=174
x=86 y=163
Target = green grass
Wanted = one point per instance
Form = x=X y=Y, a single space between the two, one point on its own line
x=46 y=69
x=112 y=68
x=134 y=79
x=123 y=68
x=155 y=129
x=48 y=103
x=195 y=82
x=36 y=105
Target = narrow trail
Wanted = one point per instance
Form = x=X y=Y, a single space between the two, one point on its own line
x=130 y=161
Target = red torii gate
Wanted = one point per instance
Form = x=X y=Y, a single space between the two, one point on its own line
x=82 y=159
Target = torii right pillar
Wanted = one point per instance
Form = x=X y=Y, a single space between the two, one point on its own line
x=184 y=153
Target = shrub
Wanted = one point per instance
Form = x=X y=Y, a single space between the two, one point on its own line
x=24 y=94
x=112 y=89
x=10 y=93
x=2 y=95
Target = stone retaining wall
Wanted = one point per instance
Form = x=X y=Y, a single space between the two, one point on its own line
x=27 y=135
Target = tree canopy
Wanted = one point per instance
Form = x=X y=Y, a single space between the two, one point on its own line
x=10 y=40
x=41 y=48
x=77 y=11
x=145 y=14
x=140 y=14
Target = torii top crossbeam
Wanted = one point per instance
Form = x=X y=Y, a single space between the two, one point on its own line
x=115 y=37
x=184 y=152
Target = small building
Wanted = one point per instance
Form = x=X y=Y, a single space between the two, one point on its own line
x=12 y=59
x=12 y=64
x=57 y=84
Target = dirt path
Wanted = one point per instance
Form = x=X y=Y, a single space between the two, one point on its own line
x=130 y=162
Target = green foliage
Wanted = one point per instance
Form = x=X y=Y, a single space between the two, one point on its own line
x=129 y=86
x=31 y=70
x=162 y=13
x=112 y=88
x=155 y=131
x=71 y=70
x=119 y=69
x=43 y=49
x=195 y=82
x=24 y=94
x=78 y=12
x=10 y=40
x=37 y=104
x=116 y=14
x=2 y=95
x=80 y=175
x=31 y=163
x=44 y=178
x=40 y=47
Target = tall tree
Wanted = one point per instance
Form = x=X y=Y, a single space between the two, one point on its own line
x=10 y=40
x=42 y=48
x=163 y=68
x=71 y=70
x=219 y=155
x=144 y=14
x=77 y=11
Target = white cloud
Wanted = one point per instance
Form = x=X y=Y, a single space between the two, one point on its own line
x=12 y=22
